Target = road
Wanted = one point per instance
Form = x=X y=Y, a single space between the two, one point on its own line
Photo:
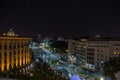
x=65 y=67
x=48 y=56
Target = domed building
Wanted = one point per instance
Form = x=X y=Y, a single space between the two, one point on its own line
x=14 y=51
x=11 y=33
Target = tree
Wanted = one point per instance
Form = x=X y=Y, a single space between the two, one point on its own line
x=110 y=67
x=60 y=46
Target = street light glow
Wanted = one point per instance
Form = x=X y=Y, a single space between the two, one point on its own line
x=101 y=78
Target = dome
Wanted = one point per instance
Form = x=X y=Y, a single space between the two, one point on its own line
x=11 y=33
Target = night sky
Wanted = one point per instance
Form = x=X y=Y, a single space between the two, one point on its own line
x=60 y=18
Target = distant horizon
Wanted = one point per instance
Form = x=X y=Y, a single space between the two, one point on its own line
x=47 y=35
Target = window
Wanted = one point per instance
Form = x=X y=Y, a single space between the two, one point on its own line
x=90 y=53
x=18 y=52
x=10 y=46
x=102 y=51
x=115 y=53
x=22 y=45
x=5 y=46
x=14 y=46
x=18 y=59
x=18 y=46
x=0 y=46
x=22 y=51
x=25 y=51
x=5 y=61
x=102 y=59
x=106 y=56
x=25 y=45
x=101 y=55
x=14 y=59
x=5 y=55
x=98 y=55
x=10 y=60
x=90 y=49
x=0 y=55
x=116 y=48
x=0 y=61
x=118 y=53
x=98 y=63
x=5 y=67
x=98 y=59
x=98 y=50
x=10 y=53
x=14 y=53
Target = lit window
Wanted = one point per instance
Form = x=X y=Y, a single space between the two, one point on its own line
x=114 y=53
x=118 y=53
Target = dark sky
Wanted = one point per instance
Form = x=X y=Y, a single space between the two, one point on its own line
x=61 y=17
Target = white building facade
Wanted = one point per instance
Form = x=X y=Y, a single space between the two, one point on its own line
x=94 y=52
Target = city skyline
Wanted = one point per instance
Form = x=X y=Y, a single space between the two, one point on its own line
x=60 y=18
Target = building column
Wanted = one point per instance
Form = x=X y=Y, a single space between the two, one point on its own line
x=23 y=56
x=17 y=54
x=20 y=54
x=12 y=55
x=26 y=56
x=8 y=56
x=16 y=58
x=2 y=56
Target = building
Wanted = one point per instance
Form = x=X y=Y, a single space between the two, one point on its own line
x=94 y=52
x=14 y=51
x=72 y=45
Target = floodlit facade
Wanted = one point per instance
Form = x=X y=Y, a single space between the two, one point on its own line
x=94 y=52
x=14 y=51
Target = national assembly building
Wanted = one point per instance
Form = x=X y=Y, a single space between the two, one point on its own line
x=14 y=51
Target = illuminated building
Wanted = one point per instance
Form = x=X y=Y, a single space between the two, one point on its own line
x=95 y=51
x=14 y=51
x=72 y=45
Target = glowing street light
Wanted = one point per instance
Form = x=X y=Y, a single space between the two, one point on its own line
x=101 y=78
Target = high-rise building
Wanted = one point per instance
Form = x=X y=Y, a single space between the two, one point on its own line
x=14 y=51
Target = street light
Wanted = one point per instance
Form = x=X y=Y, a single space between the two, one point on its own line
x=101 y=78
